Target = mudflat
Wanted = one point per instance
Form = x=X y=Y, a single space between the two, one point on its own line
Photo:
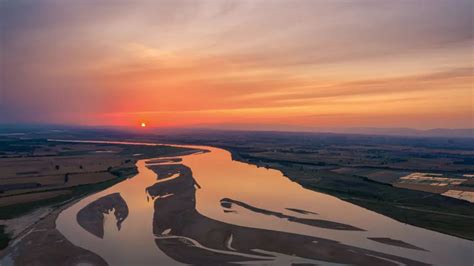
x=43 y=244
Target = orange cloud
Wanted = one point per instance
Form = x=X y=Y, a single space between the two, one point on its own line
x=247 y=62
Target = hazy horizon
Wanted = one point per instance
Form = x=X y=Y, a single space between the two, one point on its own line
x=169 y=130
x=242 y=64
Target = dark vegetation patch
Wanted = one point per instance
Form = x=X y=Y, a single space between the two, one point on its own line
x=8 y=187
x=28 y=173
x=4 y=237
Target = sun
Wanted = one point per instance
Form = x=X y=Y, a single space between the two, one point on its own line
x=143 y=124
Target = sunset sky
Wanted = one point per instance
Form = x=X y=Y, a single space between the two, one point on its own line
x=211 y=63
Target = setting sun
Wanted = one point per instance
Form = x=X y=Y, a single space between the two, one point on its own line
x=143 y=124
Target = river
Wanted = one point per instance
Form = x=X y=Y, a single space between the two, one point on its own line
x=237 y=212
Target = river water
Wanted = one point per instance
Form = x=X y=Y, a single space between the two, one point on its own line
x=240 y=203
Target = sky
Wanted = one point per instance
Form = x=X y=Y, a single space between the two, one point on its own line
x=291 y=64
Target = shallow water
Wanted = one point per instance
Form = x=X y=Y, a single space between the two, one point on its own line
x=261 y=199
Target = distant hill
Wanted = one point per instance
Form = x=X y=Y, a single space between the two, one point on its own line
x=435 y=132
x=9 y=129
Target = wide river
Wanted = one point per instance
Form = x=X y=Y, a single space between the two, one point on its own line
x=243 y=202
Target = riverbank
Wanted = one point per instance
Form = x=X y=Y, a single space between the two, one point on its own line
x=43 y=244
